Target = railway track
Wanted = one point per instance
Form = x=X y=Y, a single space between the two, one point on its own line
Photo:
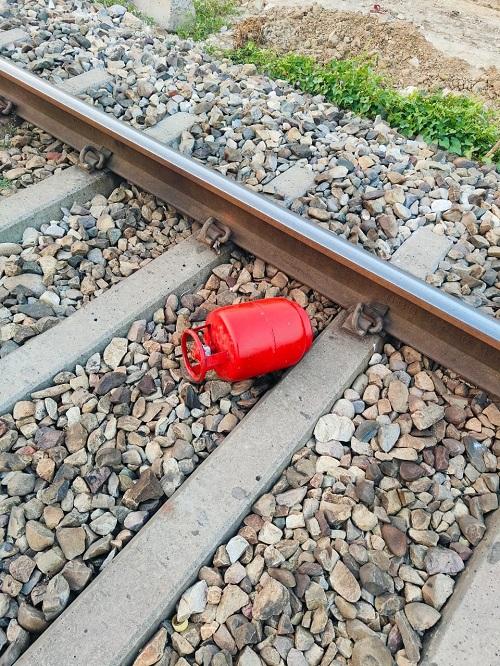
x=140 y=582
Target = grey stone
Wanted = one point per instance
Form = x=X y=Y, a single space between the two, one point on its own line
x=442 y=560
x=56 y=597
x=370 y=651
x=29 y=282
x=411 y=640
x=374 y=580
x=20 y=484
x=421 y=253
x=236 y=547
x=388 y=435
x=292 y=183
x=421 y=616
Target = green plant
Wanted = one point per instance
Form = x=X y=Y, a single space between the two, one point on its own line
x=209 y=17
x=456 y=123
x=4 y=183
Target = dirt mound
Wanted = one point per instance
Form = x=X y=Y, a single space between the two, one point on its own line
x=399 y=50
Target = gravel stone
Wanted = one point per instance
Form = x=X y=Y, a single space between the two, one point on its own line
x=236 y=547
x=270 y=600
x=102 y=447
x=72 y=541
x=332 y=426
x=31 y=618
x=344 y=583
x=38 y=536
x=442 y=560
x=56 y=597
x=194 y=600
x=367 y=544
x=233 y=598
x=153 y=651
x=421 y=616
x=371 y=651
x=437 y=589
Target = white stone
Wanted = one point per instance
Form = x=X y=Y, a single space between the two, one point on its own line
x=338 y=172
x=343 y=407
x=270 y=534
x=50 y=298
x=440 y=205
x=194 y=600
x=115 y=351
x=332 y=426
x=236 y=547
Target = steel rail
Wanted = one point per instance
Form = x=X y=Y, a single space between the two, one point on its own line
x=445 y=329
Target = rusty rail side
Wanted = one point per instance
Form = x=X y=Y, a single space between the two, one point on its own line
x=445 y=329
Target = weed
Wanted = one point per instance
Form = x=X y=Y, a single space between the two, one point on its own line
x=453 y=122
x=4 y=183
x=209 y=17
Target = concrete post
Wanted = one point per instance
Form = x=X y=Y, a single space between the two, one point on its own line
x=169 y=14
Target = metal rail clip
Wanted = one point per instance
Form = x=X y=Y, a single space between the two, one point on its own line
x=365 y=319
x=6 y=106
x=93 y=158
x=214 y=233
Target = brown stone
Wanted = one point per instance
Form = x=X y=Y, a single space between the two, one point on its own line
x=110 y=381
x=76 y=437
x=454 y=447
x=410 y=471
x=22 y=568
x=344 y=583
x=31 y=618
x=441 y=458
x=146 y=385
x=421 y=616
x=146 y=488
x=454 y=414
x=97 y=477
x=153 y=650
x=395 y=540
x=492 y=413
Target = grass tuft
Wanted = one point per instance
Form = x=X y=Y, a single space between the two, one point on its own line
x=456 y=123
x=209 y=17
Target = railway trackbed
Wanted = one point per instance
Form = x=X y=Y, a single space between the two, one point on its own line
x=357 y=485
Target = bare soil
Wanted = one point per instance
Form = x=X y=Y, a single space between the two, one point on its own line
x=398 y=38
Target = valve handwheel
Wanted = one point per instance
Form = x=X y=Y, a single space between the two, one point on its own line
x=198 y=367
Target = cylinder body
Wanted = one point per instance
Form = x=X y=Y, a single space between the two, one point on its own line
x=257 y=337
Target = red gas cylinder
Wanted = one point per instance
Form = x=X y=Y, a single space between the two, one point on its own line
x=247 y=339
